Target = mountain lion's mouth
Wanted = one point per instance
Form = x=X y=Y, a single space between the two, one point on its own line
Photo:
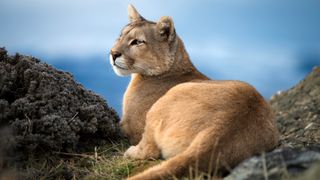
x=120 y=67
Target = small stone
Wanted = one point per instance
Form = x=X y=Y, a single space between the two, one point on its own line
x=308 y=126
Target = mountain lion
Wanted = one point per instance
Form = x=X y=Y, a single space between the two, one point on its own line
x=172 y=111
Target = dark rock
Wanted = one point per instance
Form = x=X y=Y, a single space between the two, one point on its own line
x=45 y=109
x=312 y=173
x=279 y=164
x=298 y=112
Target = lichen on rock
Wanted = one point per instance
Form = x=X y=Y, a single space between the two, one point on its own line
x=46 y=109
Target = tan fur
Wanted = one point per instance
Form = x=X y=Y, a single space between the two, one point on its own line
x=173 y=111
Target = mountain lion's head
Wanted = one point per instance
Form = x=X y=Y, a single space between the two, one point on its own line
x=144 y=47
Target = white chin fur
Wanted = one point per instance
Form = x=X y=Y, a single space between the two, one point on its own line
x=120 y=72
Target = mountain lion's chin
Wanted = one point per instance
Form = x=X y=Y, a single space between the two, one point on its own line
x=121 y=72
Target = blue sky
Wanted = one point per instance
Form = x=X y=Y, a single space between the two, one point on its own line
x=271 y=44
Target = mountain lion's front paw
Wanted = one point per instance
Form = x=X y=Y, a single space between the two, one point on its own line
x=132 y=152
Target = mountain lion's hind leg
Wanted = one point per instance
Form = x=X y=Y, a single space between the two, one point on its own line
x=146 y=149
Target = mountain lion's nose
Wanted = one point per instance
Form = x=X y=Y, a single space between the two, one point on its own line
x=115 y=55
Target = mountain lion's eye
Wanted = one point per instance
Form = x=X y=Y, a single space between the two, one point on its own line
x=136 y=42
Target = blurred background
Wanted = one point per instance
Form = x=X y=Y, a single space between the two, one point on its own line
x=271 y=44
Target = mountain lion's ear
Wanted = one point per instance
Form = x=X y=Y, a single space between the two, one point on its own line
x=133 y=14
x=165 y=28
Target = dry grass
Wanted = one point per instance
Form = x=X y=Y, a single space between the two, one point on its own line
x=111 y=164
x=104 y=162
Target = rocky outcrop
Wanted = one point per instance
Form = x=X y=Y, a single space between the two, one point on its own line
x=298 y=112
x=45 y=109
x=298 y=118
